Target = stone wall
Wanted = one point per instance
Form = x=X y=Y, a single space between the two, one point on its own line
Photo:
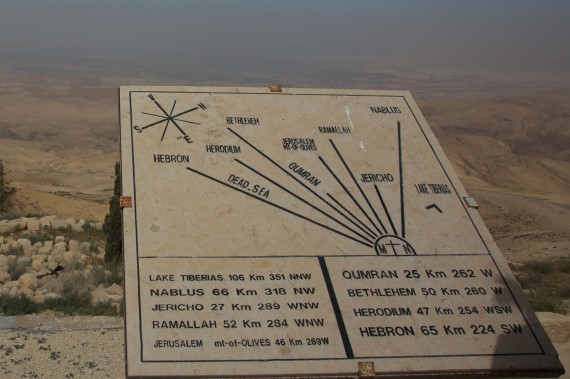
x=35 y=224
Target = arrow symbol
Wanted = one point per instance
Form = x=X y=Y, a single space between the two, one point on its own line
x=434 y=206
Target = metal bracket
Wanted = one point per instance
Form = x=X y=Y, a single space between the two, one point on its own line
x=366 y=370
x=126 y=202
x=275 y=88
x=471 y=202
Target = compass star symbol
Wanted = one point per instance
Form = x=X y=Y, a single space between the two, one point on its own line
x=168 y=117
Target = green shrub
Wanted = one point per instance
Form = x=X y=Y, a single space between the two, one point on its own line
x=75 y=298
x=546 y=282
x=112 y=226
x=107 y=275
x=6 y=191
x=564 y=265
x=88 y=234
x=16 y=305
x=18 y=251
x=75 y=288
x=98 y=275
x=74 y=265
x=541 y=304
x=542 y=267
x=39 y=237
x=94 y=247
x=116 y=276
x=16 y=269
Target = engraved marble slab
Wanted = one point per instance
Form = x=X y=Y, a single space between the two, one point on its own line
x=298 y=233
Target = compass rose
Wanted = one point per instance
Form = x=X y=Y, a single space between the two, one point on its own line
x=169 y=117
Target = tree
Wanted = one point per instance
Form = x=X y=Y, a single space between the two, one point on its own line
x=112 y=226
x=6 y=191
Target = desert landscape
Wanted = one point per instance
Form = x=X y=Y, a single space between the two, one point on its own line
x=507 y=136
x=59 y=141
x=491 y=78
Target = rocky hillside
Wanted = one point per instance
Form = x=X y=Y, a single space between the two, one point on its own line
x=47 y=263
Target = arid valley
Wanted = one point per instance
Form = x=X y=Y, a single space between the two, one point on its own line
x=59 y=140
x=509 y=142
x=221 y=281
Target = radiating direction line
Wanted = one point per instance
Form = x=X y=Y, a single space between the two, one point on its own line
x=356 y=218
x=150 y=96
x=402 y=213
x=154 y=123
x=303 y=200
x=155 y=115
x=188 y=111
x=280 y=207
x=188 y=122
x=166 y=118
x=178 y=126
x=296 y=179
x=169 y=117
x=358 y=185
x=349 y=194
x=168 y=121
x=385 y=209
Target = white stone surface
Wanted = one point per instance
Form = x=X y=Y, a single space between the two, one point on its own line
x=78 y=226
x=28 y=281
x=74 y=246
x=97 y=225
x=59 y=224
x=8 y=226
x=11 y=284
x=45 y=250
x=319 y=228
x=33 y=225
x=3 y=260
x=114 y=289
x=37 y=264
x=45 y=222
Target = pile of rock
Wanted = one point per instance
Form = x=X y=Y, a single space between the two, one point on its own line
x=39 y=271
x=35 y=224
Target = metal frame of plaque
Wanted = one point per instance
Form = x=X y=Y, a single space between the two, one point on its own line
x=308 y=233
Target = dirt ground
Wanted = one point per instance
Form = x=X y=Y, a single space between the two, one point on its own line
x=93 y=347
x=71 y=347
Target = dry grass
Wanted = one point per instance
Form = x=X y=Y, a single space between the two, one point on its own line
x=546 y=283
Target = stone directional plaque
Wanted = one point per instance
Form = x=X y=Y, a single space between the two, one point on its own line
x=300 y=233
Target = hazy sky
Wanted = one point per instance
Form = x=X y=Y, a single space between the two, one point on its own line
x=277 y=36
